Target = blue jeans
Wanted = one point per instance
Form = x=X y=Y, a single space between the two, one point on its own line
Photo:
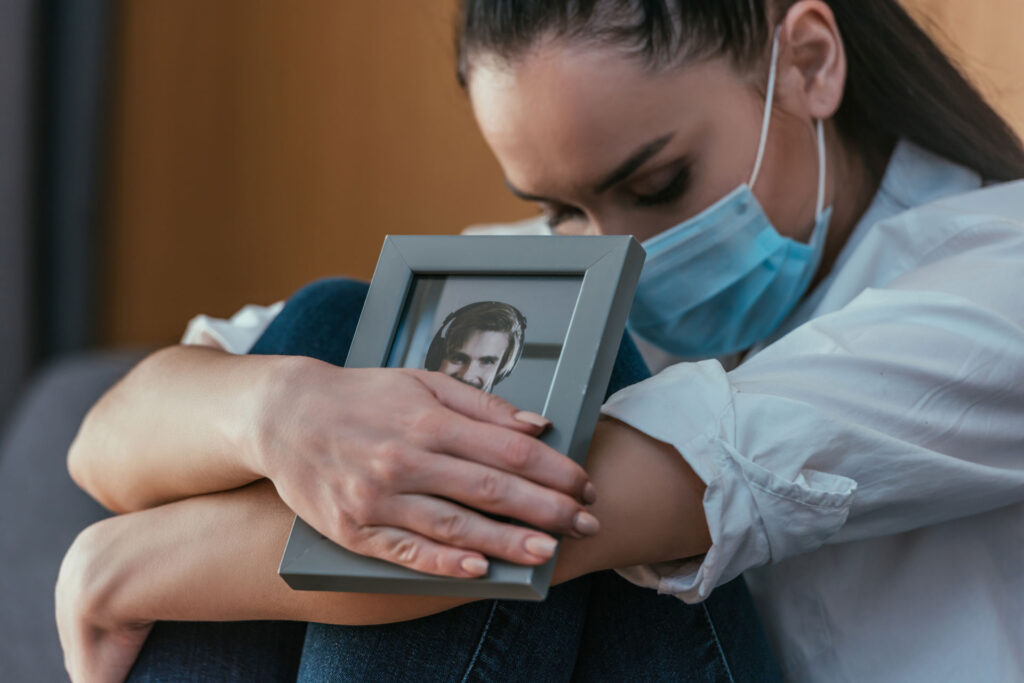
x=596 y=628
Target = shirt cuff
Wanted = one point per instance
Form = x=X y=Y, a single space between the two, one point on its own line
x=754 y=515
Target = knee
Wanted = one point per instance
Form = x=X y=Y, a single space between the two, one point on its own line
x=318 y=321
x=629 y=367
x=329 y=296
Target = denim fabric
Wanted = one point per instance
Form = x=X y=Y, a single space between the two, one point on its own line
x=251 y=651
x=596 y=628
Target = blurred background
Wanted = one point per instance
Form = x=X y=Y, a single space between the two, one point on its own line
x=162 y=159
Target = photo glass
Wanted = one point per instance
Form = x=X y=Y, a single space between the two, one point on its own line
x=503 y=335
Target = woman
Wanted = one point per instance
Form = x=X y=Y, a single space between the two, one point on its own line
x=811 y=182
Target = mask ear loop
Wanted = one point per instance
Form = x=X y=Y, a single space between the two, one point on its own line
x=769 y=99
x=820 y=206
x=766 y=124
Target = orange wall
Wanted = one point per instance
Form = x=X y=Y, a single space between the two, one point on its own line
x=260 y=144
x=983 y=38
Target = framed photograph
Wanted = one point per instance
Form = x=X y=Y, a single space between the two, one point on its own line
x=536 y=320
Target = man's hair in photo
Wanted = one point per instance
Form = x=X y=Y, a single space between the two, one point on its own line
x=483 y=316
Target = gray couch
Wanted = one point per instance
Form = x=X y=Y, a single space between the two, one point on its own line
x=41 y=509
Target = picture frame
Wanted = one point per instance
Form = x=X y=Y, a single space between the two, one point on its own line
x=580 y=286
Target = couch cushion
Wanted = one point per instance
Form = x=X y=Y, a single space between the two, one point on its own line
x=41 y=509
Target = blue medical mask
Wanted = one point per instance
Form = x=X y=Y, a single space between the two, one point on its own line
x=725 y=279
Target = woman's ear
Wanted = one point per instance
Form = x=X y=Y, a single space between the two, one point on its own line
x=812 y=61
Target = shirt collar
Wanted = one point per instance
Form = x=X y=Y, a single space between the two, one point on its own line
x=913 y=177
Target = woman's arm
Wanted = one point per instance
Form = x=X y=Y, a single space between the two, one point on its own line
x=216 y=557
x=375 y=476
x=133 y=450
x=900 y=410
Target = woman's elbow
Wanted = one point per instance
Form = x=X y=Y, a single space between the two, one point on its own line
x=82 y=469
x=89 y=467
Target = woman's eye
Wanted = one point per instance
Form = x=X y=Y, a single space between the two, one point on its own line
x=669 y=192
x=557 y=215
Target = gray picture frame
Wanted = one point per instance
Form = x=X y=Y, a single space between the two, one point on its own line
x=609 y=268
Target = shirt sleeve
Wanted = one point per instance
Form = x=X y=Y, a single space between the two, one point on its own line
x=900 y=410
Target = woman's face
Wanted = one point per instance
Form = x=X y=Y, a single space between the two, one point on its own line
x=607 y=147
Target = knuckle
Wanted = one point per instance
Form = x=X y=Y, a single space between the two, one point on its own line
x=366 y=541
x=361 y=512
x=410 y=373
x=406 y=551
x=387 y=466
x=361 y=504
x=514 y=542
x=491 y=403
x=559 y=513
x=519 y=453
x=390 y=450
x=450 y=527
x=344 y=533
x=491 y=487
x=428 y=427
x=348 y=534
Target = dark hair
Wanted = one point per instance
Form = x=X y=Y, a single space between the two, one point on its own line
x=899 y=83
x=482 y=316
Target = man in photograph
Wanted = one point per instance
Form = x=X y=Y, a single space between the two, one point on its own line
x=478 y=344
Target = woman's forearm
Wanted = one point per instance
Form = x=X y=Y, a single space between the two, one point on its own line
x=181 y=423
x=215 y=557
x=209 y=558
x=650 y=503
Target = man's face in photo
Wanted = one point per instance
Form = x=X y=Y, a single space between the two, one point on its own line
x=477 y=361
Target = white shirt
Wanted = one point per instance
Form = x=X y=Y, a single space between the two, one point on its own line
x=865 y=471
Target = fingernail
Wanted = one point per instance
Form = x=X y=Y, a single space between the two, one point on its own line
x=541 y=546
x=533 y=419
x=589 y=494
x=474 y=565
x=586 y=523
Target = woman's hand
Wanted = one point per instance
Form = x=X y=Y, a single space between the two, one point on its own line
x=207 y=558
x=373 y=459
x=97 y=647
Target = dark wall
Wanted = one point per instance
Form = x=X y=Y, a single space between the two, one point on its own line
x=53 y=74
x=17 y=293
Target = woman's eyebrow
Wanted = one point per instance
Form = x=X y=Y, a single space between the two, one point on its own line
x=630 y=165
x=623 y=171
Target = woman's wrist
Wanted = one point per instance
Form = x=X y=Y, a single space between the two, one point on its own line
x=94 y=574
x=126 y=571
x=254 y=428
x=184 y=422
